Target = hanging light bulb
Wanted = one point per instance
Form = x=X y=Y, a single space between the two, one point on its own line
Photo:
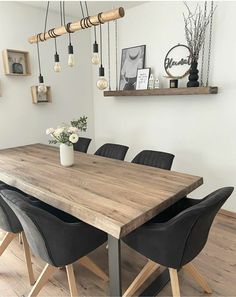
x=102 y=83
x=42 y=88
x=57 y=65
x=71 y=58
x=95 y=57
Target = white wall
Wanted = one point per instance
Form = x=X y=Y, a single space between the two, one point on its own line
x=22 y=122
x=199 y=130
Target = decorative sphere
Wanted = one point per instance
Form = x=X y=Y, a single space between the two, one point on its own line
x=102 y=83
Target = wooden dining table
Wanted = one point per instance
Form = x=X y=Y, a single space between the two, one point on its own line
x=111 y=195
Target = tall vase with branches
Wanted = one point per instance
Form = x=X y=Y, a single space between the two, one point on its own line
x=195 y=24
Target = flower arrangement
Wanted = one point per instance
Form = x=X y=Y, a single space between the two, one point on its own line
x=67 y=134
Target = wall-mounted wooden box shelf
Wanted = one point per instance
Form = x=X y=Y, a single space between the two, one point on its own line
x=165 y=91
x=36 y=98
x=16 y=63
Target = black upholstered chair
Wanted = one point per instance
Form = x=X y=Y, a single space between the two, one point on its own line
x=82 y=144
x=12 y=226
x=155 y=159
x=177 y=235
x=55 y=236
x=113 y=151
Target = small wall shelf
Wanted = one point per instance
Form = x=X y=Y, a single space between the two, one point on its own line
x=16 y=63
x=36 y=99
x=165 y=91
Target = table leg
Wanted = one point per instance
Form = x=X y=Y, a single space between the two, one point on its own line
x=114 y=266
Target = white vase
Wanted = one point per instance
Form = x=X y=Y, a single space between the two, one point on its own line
x=66 y=155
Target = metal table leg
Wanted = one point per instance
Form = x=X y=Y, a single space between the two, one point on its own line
x=114 y=262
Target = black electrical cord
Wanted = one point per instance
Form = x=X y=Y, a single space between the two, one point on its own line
x=101 y=44
x=39 y=62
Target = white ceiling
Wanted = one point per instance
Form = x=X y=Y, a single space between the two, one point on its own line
x=73 y=7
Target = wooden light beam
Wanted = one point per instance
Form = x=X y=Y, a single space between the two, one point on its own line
x=76 y=26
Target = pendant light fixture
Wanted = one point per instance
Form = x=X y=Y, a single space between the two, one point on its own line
x=95 y=56
x=57 y=65
x=71 y=58
x=42 y=89
x=102 y=83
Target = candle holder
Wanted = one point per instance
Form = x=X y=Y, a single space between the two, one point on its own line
x=174 y=83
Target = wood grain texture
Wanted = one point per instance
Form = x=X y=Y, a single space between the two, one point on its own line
x=163 y=91
x=112 y=195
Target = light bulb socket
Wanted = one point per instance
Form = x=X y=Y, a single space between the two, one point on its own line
x=95 y=47
x=56 y=58
x=101 y=71
x=41 y=81
x=70 y=49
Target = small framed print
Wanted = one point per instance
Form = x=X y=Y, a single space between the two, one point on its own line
x=142 y=78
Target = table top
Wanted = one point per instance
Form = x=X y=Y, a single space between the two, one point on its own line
x=112 y=195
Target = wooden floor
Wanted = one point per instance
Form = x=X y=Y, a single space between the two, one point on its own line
x=217 y=262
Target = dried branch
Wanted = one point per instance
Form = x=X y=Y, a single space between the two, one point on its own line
x=195 y=24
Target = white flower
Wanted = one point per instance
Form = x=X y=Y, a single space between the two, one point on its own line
x=49 y=131
x=73 y=138
x=73 y=130
x=58 y=132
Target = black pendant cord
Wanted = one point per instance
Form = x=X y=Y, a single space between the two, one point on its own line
x=67 y=26
x=38 y=53
x=94 y=27
x=101 y=44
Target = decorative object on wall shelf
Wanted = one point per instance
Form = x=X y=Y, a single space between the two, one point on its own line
x=173 y=83
x=177 y=61
x=163 y=92
x=16 y=63
x=132 y=59
x=196 y=24
x=39 y=97
x=151 y=82
x=142 y=78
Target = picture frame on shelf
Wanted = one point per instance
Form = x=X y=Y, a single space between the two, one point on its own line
x=41 y=98
x=143 y=75
x=132 y=59
x=16 y=62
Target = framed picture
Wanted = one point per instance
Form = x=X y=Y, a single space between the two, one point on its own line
x=16 y=62
x=41 y=98
x=142 y=78
x=132 y=59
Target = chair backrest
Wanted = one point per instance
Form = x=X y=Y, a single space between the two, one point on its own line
x=190 y=228
x=8 y=220
x=55 y=236
x=113 y=151
x=155 y=159
x=82 y=144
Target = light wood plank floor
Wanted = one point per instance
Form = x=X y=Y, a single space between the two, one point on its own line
x=217 y=262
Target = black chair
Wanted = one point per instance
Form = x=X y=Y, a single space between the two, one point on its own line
x=155 y=159
x=177 y=235
x=55 y=236
x=82 y=144
x=12 y=226
x=113 y=151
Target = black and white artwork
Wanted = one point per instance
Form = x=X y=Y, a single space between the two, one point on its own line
x=132 y=59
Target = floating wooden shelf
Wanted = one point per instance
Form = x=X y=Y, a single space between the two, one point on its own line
x=165 y=91
x=16 y=63
x=36 y=97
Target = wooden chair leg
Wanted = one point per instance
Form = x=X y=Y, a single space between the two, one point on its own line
x=6 y=241
x=41 y=281
x=145 y=273
x=20 y=238
x=90 y=265
x=71 y=281
x=174 y=282
x=28 y=259
x=198 y=277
